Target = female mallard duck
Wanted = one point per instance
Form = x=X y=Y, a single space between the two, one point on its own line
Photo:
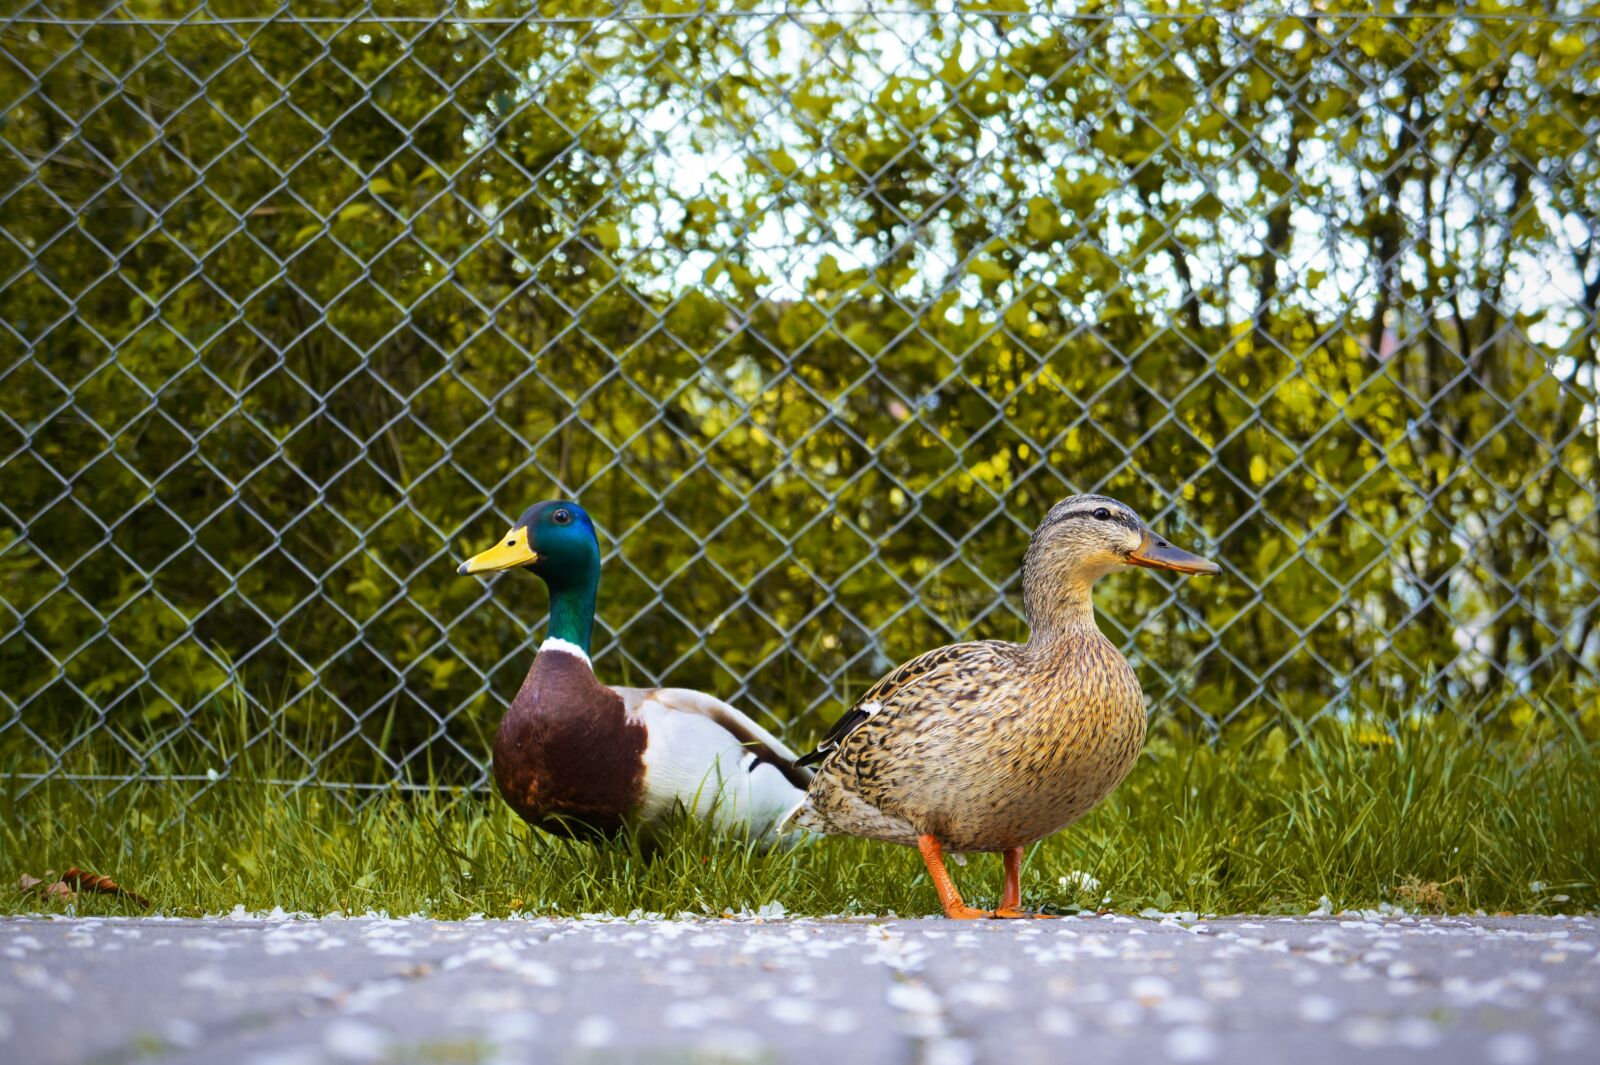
x=575 y=757
x=990 y=746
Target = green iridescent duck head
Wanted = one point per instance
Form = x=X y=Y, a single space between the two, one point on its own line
x=557 y=541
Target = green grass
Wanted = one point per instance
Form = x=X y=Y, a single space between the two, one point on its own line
x=1429 y=816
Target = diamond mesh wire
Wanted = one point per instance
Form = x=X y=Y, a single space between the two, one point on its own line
x=817 y=308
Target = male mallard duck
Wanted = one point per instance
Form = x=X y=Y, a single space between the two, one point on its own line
x=990 y=746
x=573 y=756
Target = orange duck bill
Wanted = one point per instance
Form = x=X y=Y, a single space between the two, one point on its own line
x=1156 y=553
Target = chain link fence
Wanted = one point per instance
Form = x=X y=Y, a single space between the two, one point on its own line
x=816 y=307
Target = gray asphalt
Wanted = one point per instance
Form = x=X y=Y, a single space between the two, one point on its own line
x=285 y=991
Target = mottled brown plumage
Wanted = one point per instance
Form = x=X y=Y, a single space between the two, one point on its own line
x=990 y=746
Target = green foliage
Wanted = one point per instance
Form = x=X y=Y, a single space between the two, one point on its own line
x=816 y=315
x=1418 y=813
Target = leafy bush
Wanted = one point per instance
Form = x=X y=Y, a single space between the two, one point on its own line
x=817 y=315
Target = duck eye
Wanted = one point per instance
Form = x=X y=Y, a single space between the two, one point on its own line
x=1102 y=514
x=562 y=517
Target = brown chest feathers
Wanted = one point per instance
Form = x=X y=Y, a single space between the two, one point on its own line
x=567 y=758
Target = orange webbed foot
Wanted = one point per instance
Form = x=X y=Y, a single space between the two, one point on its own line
x=1011 y=913
x=963 y=912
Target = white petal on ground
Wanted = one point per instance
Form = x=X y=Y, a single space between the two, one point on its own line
x=913 y=998
x=949 y=1052
x=792 y=1011
x=1318 y=1009
x=1512 y=1048
x=1366 y=1031
x=1182 y=1010
x=517 y=1027
x=594 y=1031
x=1147 y=989
x=983 y=995
x=1418 y=1033
x=1191 y=1043
x=353 y=1041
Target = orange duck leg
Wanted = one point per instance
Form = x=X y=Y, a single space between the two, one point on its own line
x=949 y=897
x=1011 y=900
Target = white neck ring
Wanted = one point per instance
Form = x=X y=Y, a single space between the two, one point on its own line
x=556 y=643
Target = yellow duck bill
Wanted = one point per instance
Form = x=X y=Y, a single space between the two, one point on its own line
x=1158 y=554
x=511 y=551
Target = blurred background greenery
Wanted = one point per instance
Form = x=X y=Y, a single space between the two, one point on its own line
x=817 y=309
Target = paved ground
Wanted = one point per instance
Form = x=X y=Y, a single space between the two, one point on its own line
x=247 y=991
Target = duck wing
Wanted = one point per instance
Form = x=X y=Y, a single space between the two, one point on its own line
x=704 y=757
x=755 y=740
x=924 y=667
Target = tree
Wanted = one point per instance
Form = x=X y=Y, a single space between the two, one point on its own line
x=817 y=314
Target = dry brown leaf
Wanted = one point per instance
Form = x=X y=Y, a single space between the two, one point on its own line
x=102 y=885
x=73 y=881
x=55 y=890
x=1427 y=894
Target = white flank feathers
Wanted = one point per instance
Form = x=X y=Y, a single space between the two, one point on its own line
x=693 y=762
